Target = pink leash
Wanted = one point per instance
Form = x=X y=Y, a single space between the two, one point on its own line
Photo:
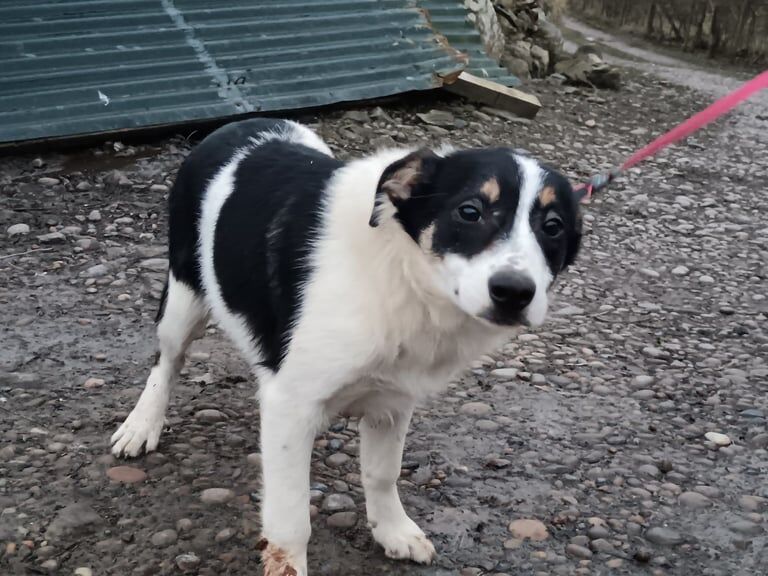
x=694 y=123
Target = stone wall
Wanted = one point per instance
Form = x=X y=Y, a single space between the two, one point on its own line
x=483 y=15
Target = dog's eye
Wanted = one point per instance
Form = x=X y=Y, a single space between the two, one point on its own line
x=553 y=225
x=469 y=212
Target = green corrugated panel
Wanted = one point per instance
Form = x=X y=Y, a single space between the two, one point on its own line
x=78 y=67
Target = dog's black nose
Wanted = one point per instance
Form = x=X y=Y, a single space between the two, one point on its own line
x=510 y=290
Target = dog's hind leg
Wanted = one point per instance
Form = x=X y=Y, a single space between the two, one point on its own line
x=181 y=319
x=382 y=438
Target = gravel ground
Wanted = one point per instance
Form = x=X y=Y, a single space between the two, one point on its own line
x=580 y=448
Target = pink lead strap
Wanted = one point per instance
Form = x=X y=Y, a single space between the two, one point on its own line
x=694 y=123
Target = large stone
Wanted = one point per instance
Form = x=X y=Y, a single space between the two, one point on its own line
x=528 y=529
x=578 y=551
x=483 y=15
x=745 y=528
x=52 y=238
x=216 y=495
x=517 y=66
x=718 y=439
x=164 y=538
x=74 y=520
x=521 y=49
x=663 y=536
x=550 y=37
x=475 y=409
x=155 y=264
x=438 y=118
x=694 y=500
x=338 y=503
x=96 y=271
x=16 y=229
x=541 y=59
x=188 y=562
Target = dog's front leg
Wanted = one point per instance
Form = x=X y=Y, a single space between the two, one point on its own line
x=382 y=437
x=288 y=427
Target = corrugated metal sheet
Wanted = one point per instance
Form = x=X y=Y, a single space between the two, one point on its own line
x=72 y=67
x=450 y=18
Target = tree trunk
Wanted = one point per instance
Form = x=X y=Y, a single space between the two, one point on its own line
x=699 y=38
x=741 y=40
x=650 y=20
x=671 y=19
x=715 y=32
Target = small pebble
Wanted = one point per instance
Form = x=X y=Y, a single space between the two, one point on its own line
x=342 y=520
x=216 y=496
x=718 y=439
x=210 y=416
x=164 y=538
x=126 y=474
x=92 y=383
x=578 y=551
x=338 y=459
x=187 y=562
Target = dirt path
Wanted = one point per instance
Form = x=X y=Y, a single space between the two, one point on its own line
x=695 y=73
x=593 y=426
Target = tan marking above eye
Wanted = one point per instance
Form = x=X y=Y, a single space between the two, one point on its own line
x=491 y=190
x=547 y=196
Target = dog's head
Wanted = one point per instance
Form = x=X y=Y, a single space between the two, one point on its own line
x=496 y=227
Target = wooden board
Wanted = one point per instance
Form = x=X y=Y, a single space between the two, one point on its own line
x=495 y=95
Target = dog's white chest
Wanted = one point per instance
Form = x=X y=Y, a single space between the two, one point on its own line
x=413 y=369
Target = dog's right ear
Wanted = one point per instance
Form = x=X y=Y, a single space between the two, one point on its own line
x=401 y=181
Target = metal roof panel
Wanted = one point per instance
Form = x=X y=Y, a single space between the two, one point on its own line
x=91 y=66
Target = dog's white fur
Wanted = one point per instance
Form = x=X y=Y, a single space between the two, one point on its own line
x=346 y=355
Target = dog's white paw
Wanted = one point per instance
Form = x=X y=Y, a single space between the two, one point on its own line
x=278 y=562
x=405 y=541
x=142 y=428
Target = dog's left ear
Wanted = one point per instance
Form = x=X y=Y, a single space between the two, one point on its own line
x=401 y=180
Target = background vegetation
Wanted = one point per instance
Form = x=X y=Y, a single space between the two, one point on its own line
x=734 y=28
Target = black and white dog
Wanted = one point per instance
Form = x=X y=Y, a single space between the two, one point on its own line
x=357 y=288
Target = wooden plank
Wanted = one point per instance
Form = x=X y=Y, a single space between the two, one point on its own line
x=495 y=95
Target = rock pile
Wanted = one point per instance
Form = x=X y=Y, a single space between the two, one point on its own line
x=532 y=42
x=533 y=46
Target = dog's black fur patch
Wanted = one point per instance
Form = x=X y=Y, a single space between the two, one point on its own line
x=264 y=237
x=184 y=201
x=273 y=210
